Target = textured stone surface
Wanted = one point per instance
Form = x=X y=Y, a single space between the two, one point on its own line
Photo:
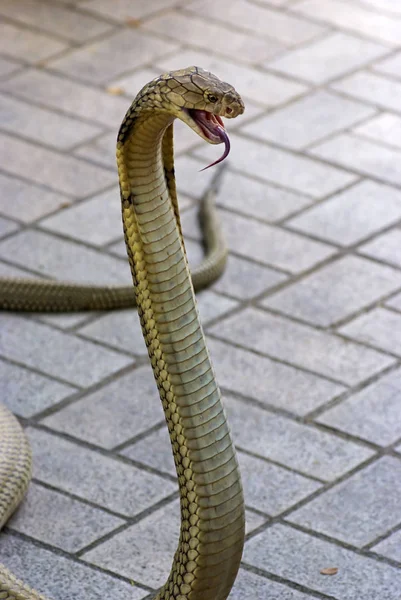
x=337 y=513
x=384 y=128
x=292 y=444
x=390 y=547
x=61 y=521
x=379 y=327
x=395 y=302
x=372 y=413
x=56 y=353
x=29 y=47
x=58 y=577
x=385 y=247
x=27 y=393
x=300 y=557
x=325 y=59
x=129 y=491
x=372 y=88
x=336 y=291
x=352 y=215
x=306 y=121
x=326 y=354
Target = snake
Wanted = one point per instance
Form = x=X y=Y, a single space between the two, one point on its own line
x=212 y=529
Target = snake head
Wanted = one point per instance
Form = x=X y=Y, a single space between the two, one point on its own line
x=201 y=100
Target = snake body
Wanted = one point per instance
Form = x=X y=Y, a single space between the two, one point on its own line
x=212 y=509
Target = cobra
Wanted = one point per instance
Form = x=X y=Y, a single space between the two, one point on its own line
x=211 y=539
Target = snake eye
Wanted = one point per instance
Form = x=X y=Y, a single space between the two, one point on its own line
x=212 y=98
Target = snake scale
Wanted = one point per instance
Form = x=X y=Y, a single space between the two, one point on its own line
x=211 y=538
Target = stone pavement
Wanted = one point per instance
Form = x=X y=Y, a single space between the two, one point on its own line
x=304 y=328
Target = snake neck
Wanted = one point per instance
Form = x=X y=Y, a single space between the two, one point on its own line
x=212 y=510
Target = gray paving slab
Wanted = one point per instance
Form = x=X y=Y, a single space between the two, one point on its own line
x=361 y=155
x=385 y=128
x=61 y=521
x=103 y=60
x=395 y=302
x=349 y=217
x=353 y=17
x=336 y=291
x=71 y=97
x=271 y=245
x=309 y=119
x=390 y=547
x=243 y=279
x=43 y=126
x=390 y=66
x=101 y=150
x=298 y=173
x=372 y=413
x=249 y=586
x=385 y=247
x=27 y=393
x=30 y=47
x=96 y=221
x=121 y=329
x=55 y=353
x=261 y=20
x=121 y=410
x=388 y=6
x=129 y=490
x=299 y=557
x=62 y=259
x=57 y=576
x=7 y=227
x=266 y=89
x=124 y=9
x=8 y=66
x=327 y=354
x=159 y=458
x=62 y=173
x=270 y=382
x=300 y=447
x=261 y=200
x=325 y=59
x=55 y=19
x=372 y=88
x=229 y=42
x=337 y=513
x=379 y=327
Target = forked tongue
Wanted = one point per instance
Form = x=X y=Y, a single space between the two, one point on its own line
x=213 y=127
x=221 y=132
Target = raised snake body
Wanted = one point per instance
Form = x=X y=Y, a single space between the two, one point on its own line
x=212 y=508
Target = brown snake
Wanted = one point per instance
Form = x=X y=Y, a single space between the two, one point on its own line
x=212 y=508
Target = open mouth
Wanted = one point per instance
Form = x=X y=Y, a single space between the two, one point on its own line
x=212 y=128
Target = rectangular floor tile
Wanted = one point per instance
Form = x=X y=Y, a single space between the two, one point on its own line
x=231 y=43
x=390 y=66
x=301 y=345
x=101 y=150
x=55 y=353
x=101 y=61
x=62 y=259
x=271 y=245
x=307 y=120
x=26 y=393
x=8 y=66
x=381 y=27
x=58 y=577
x=256 y=199
x=121 y=329
x=292 y=444
x=386 y=128
x=124 y=9
x=41 y=125
x=395 y=302
x=352 y=215
x=55 y=19
x=61 y=521
x=379 y=327
x=299 y=557
x=299 y=173
x=335 y=291
x=339 y=512
x=61 y=173
x=385 y=247
x=261 y=20
x=107 y=482
x=390 y=6
x=372 y=413
x=26 y=45
x=362 y=155
x=249 y=586
x=390 y=547
x=96 y=221
x=325 y=59
x=372 y=88
x=69 y=96
x=263 y=88
x=268 y=381
x=121 y=410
